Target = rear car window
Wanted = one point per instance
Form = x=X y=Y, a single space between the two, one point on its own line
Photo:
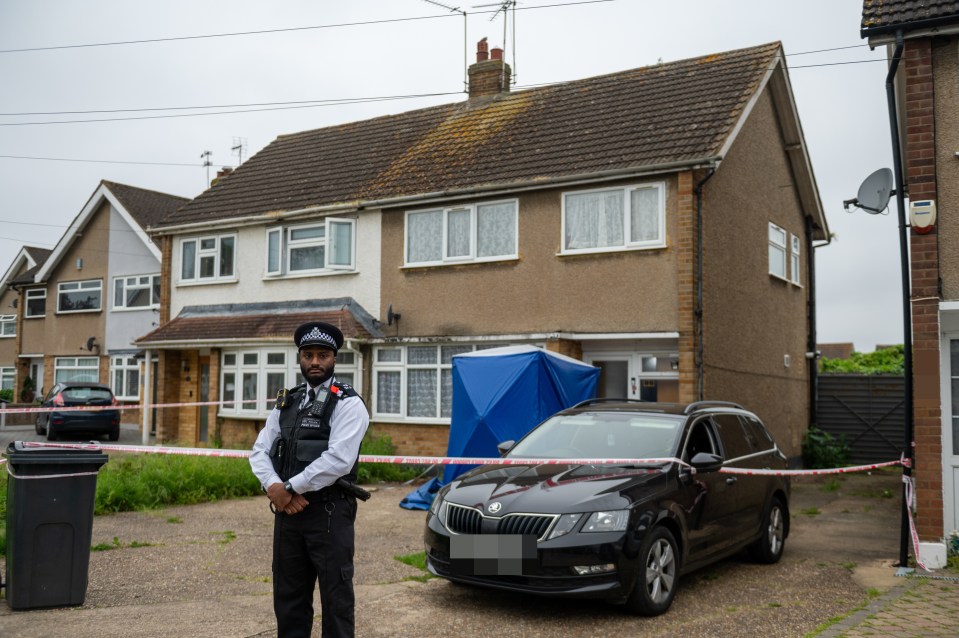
x=97 y=395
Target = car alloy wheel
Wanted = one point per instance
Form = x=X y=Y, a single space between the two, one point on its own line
x=658 y=575
x=769 y=547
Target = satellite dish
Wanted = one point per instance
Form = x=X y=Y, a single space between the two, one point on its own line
x=392 y=316
x=873 y=196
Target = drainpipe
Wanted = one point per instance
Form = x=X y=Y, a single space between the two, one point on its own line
x=699 y=281
x=906 y=305
x=147 y=402
x=811 y=347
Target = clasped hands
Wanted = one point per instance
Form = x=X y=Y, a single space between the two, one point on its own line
x=285 y=502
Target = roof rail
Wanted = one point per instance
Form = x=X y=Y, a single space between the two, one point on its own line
x=699 y=405
x=607 y=400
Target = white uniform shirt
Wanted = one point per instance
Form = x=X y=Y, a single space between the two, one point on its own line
x=347 y=427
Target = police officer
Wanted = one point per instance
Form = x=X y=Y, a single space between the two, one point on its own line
x=312 y=440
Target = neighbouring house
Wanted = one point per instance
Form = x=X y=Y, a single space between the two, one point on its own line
x=927 y=116
x=657 y=223
x=26 y=263
x=842 y=350
x=81 y=304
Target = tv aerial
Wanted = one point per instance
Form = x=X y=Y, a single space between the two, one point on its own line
x=874 y=193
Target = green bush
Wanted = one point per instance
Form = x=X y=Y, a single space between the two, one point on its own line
x=7 y=394
x=886 y=361
x=822 y=450
x=387 y=472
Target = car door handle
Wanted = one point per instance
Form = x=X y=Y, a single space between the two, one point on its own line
x=731 y=480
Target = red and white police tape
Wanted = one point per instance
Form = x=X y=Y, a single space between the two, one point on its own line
x=121 y=407
x=460 y=460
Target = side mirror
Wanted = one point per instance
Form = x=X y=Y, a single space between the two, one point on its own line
x=505 y=447
x=706 y=462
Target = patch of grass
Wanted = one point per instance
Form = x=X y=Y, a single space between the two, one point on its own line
x=811 y=511
x=174 y=519
x=141 y=482
x=872 y=592
x=391 y=472
x=824 y=626
x=774 y=605
x=135 y=544
x=849 y=566
x=416 y=559
x=228 y=537
x=105 y=547
x=831 y=486
x=710 y=576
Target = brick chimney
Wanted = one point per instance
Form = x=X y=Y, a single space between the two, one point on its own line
x=490 y=75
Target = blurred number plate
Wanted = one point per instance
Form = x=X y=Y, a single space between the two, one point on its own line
x=492 y=554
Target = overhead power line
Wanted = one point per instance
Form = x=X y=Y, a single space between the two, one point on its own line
x=280 y=30
x=96 y=161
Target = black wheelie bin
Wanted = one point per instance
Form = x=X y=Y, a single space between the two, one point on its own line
x=50 y=497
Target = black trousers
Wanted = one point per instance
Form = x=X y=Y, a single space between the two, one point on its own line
x=316 y=544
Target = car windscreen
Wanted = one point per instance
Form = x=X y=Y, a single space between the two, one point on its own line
x=619 y=435
x=90 y=396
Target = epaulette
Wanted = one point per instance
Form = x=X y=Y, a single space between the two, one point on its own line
x=342 y=390
x=284 y=397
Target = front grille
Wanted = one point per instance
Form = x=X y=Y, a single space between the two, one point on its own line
x=466 y=520
x=463 y=520
x=531 y=524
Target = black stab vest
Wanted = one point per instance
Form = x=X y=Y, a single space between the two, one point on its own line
x=307 y=437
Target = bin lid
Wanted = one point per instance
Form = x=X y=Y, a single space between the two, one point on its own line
x=31 y=453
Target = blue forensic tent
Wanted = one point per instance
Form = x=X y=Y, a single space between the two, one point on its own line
x=501 y=394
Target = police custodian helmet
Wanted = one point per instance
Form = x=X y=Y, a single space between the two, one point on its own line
x=318 y=333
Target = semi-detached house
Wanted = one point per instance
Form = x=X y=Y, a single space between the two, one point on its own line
x=657 y=223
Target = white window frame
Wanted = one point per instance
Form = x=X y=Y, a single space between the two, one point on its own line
x=472 y=255
x=282 y=236
x=200 y=253
x=795 y=275
x=659 y=242
x=8 y=326
x=402 y=366
x=782 y=249
x=7 y=375
x=133 y=282
x=65 y=364
x=68 y=286
x=124 y=366
x=35 y=293
x=264 y=400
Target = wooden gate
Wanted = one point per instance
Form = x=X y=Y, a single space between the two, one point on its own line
x=867 y=410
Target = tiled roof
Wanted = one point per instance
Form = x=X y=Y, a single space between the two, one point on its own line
x=668 y=113
x=145 y=206
x=880 y=16
x=261 y=322
x=39 y=256
x=835 y=350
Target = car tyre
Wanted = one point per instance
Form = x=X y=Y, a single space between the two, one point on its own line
x=40 y=429
x=51 y=435
x=768 y=548
x=658 y=574
x=114 y=434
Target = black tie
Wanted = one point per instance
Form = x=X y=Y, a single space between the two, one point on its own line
x=311 y=396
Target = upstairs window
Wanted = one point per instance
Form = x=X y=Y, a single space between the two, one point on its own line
x=208 y=259
x=480 y=232
x=784 y=251
x=612 y=219
x=80 y=296
x=309 y=249
x=36 y=303
x=8 y=325
x=132 y=293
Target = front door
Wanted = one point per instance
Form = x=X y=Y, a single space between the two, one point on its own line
x=204 y=420
x=637 y=375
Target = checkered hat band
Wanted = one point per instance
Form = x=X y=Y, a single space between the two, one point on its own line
x=317 y=336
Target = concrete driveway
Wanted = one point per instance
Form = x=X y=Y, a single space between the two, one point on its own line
x=205 y=571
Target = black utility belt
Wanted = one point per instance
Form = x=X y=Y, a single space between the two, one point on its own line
x=327 y=494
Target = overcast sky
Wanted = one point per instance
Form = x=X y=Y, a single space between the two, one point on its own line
x=408 y=48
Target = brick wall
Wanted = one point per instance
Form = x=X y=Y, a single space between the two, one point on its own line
x=567 y=347
x=920 y=167
x=415 y=440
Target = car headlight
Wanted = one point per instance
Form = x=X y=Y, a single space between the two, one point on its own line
x=564 y=525
x=435 y=505
x=614 y=521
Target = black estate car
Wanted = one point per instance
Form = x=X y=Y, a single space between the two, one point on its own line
x=621 y=532
x=63 y=420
